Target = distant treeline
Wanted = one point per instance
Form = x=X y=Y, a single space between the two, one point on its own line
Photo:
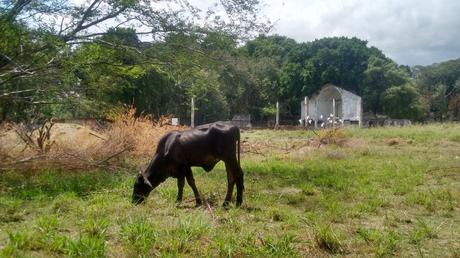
x=48 y=73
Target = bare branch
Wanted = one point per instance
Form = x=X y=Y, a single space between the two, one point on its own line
x=84 y=17
x=118 y=45
x=16 y=92
x=16 y=9
x=60 y=27
x=19 y=67
x=81 y=26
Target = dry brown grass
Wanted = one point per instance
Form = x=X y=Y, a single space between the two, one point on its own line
x=139 y=134
x=73 y=146
x=332 y=136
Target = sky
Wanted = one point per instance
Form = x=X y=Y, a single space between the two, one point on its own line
x=411 y=32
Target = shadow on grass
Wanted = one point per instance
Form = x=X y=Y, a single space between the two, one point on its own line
x=51 y=183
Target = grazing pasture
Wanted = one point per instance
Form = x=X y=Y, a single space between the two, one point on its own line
x=351 y=192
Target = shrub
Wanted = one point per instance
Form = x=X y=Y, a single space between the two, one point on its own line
x=331 y=136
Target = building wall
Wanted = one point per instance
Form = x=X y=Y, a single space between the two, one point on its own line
x=349 y=104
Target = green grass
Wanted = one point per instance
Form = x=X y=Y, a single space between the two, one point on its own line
x=385 y=192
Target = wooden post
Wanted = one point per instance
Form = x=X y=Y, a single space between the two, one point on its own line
x=192 y=118
x=277 y=119
x=360 y=112
x=333 y=112
x=316 y=112
x=333 y=107
x=305 y=108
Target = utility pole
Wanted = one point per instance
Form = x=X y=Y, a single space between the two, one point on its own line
x=192 y=118
x=305 y=109
x=277 y=121
x=333 y=112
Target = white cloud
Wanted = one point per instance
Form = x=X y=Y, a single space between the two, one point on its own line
x=410 y=31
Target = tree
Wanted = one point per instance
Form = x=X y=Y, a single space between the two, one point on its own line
x=42 y=69
x=380 y=75
x=439 y=86
x=402 y=102
x=346 y=62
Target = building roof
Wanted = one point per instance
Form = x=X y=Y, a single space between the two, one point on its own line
x=330 y=85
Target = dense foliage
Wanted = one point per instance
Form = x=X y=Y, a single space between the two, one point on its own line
x=439 y=86
x=56 y=60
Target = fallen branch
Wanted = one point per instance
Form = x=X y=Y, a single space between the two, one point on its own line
x=74 y=162
x=22 y=161
x=111 y=157
x=98 y=136
x=28 y=159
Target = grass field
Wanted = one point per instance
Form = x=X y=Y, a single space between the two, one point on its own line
x=375 y=192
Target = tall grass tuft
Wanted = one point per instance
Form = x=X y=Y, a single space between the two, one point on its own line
x=86 y=246
x=327 y=239
x=421 y=231
x=96 y=227
x=140 y=235
x=187 y=230
x=280 y=247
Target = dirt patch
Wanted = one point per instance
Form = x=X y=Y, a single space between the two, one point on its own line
x=290 y=190
x=303 y=153
x=71 y=136
x=394 y=141
x=284 y=191
x=337 y=154
x=356 y=143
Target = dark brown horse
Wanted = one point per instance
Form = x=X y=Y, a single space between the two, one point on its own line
x=202 y=146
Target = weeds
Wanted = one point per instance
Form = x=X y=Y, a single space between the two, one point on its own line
x=327 y=239
x=229 y=246
x=388 y=244
x=86 y=246
x=279 y=247
x=434 y=201
x=187 y=230
x=421 y=231
x=96 y=227
x=369 y=235
x=140 y=235
x=47 y=224
x=19 y=239
x=10 y=210
x=385 y=242
x=48 y=237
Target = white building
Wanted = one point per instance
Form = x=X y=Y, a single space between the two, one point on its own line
x=343 y=105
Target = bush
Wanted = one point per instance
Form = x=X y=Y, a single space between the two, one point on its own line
x=331 y=136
